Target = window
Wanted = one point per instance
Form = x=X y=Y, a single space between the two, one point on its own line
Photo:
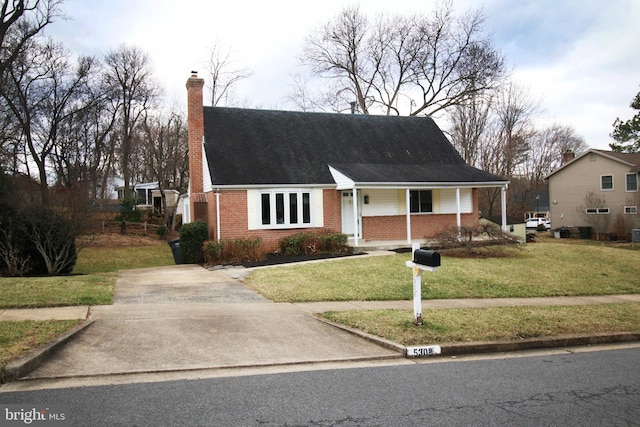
x=632 y=182
x=630 y=210
x=289 y=208
x=606 y=182
x=420 y=201
x=265 y=202
x=597 y=211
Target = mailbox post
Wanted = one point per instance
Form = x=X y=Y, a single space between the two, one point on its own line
x=422 y=260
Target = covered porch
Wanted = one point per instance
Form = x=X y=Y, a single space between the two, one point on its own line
x=452 y=205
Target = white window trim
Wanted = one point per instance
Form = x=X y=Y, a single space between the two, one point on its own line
x=612 y=183
x=626 y=183
x=432 y=211
x=272 y=206
x=630 y=210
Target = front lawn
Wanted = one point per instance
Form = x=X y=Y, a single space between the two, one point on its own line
x=93 y=279
x=551 y=268
x=491 y=324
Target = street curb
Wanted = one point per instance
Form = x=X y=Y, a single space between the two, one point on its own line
x=21 y=367
x=456 y=349
x=373 y=338
x=538 y=343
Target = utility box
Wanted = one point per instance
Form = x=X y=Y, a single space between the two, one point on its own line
x=426 y=257
x=635 y=235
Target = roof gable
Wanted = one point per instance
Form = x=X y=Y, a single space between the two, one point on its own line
x=630 y=159
x=266 y=147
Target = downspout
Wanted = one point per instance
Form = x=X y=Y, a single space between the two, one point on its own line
x=217 y=214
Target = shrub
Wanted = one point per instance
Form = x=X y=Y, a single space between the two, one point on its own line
x=306 y=243
x=46 y=240
x=233 y=251
x=129 y=211
x=470 y=238
x=162 y=232
x=192 y=238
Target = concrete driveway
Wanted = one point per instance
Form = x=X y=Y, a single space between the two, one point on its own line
x=185 y=317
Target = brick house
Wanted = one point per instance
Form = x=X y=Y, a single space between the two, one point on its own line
x=268 y=174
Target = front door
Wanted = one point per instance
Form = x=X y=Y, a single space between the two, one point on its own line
x=348 y=224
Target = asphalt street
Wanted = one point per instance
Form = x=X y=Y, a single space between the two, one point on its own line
x=581 y=387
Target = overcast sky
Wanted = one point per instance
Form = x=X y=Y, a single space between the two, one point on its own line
x=580 y=57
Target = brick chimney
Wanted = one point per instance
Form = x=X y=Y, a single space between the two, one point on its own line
x=568 y=156
x=195 y=127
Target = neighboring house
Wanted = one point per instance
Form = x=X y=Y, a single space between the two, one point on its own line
x=115 y=187
x=268 y=174
x=515 y=227
x=149 y=197
x=597 y=190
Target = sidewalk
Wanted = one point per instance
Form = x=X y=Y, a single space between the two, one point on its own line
x=82 y=312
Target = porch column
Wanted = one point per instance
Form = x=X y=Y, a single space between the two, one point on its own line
x=458 y=218
x=355 y=217
x=408 y=203
x=458 y=209
x=503 y=202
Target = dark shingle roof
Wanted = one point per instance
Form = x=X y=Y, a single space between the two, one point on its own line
x=254 y=147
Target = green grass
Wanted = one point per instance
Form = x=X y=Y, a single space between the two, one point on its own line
x=92 y=282
x=108 y=260
x=491 y=324
x=17 y=338
x=540 y=269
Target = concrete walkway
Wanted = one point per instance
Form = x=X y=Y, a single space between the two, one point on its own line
x=186 y=318
x=82 y=312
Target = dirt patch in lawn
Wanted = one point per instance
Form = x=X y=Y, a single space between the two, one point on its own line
x=479 y=253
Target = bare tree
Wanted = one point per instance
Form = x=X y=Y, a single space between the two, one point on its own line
x=165 y=142
x=496 y=134
x=411 y=65
x=470 y=125
x=222 y=75
x=11 y=141
x=86 y=150
x=21 y=20
x=133 y=91
x=546 y=150
x=514 y=111
x=41 y=89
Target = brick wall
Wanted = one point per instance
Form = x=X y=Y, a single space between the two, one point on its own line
x=332 y=209
x=234 y=221
x=422 y=225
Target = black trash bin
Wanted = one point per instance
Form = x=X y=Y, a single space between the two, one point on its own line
x=585 y=232
x=565 y=233
x=175 y=249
